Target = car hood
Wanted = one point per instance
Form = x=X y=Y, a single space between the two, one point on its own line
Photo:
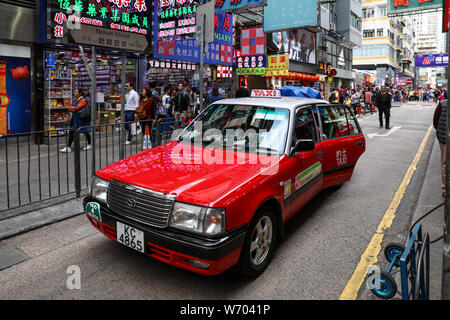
x=193 y=174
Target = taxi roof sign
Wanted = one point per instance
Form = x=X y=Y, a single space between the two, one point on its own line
x=266 y=94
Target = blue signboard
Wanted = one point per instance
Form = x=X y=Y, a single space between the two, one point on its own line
x=175 y=34
x=432 y=60
x=288 y=14
x=226 y=5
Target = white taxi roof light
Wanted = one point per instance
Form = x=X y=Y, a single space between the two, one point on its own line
x=266 y=93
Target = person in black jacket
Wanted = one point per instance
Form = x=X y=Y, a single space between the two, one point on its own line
x=242 y=92
x=383 y=102
x=180 y=108
x=440 y=124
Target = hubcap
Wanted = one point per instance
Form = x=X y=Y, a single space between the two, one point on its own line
x=261 y=241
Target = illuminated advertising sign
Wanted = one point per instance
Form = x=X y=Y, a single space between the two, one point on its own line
x=432 y=60
x=129 y=16
x=402 y=6
x=175 y=30
x=225 y=5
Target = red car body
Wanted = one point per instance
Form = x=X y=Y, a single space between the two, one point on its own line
x=241 y=188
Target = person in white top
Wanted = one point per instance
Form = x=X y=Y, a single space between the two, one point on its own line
x=132 y=102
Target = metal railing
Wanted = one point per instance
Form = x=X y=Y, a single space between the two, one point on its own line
x=33 y=169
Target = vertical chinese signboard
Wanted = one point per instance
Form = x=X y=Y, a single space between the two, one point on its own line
x=174 y=34
x=408 y=6
x=129 y=16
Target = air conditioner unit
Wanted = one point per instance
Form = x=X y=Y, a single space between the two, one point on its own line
x=332 y=26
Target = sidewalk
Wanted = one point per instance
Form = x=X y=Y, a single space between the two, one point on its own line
x=430 y=197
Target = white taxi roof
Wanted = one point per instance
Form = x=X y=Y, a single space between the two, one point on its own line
x=283 y=102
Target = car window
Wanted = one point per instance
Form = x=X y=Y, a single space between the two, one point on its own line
x=254 y=129
x=334 y=122
x=305 y=126
x=352 y=126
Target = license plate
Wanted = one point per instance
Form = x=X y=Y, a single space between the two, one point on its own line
x=130 y=237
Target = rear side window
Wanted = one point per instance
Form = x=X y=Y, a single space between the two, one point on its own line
x=352 y=126
x=337 y=122
x=334 y=122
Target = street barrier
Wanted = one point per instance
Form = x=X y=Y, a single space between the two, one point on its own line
x=33 y=170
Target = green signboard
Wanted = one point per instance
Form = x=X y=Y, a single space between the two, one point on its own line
x=250 y=71
x=409 y=6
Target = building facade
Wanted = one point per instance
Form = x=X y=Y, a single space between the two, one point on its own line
x=388 y=44
x=341 y=33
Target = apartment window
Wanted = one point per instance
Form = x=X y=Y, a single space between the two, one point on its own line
x=380 y=32
x=368 y=13
x=382 y=11
x=355 y=21
x=369 y=33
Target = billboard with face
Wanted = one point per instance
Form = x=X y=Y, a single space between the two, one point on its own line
x=300 y=44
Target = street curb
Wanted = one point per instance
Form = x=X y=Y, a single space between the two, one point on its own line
x=23 y=223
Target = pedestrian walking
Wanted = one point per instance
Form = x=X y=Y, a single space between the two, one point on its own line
x=242 y=92
x=167 y=100
x=384 y=104
x=78 y=121
x=145 y=112
x=440 y=124
x=180 y=106
x=334 y=97
x=132 y=102
x=355 y=101
x=213 y=96
x=368 y=101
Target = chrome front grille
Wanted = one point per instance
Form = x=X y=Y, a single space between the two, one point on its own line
x=139 y=204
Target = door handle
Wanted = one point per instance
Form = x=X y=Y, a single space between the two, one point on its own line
x=360 y=144
x=320 y=154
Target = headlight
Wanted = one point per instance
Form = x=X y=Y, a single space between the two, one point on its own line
x=99 y=189
x=199 y=220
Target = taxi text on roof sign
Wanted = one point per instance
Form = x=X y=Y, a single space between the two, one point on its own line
x=266 y=93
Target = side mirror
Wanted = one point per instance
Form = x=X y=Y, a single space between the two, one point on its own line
x=303 y=145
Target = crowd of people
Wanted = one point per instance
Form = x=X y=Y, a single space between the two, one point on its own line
x=382 y=99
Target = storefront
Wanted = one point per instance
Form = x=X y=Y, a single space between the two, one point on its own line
x=65 y=71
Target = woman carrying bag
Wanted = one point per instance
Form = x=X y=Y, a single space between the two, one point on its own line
x=145 y=111
x=80 y=118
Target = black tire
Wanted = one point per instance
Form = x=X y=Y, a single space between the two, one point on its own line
x=250 y=264
x=336 y=186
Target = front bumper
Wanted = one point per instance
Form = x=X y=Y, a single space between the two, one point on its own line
x=176 y=248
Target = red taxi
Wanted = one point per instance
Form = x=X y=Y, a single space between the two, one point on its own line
x=219 y=195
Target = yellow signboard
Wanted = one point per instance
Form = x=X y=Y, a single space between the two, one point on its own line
x=278 y=62
x=276 y=73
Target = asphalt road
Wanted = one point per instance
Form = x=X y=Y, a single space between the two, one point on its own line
x=324 y=241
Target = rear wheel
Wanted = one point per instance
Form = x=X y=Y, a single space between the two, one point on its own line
x=259 y=244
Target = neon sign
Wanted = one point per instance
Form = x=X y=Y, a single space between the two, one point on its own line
x=123 y=15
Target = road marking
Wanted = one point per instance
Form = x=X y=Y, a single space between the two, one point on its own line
x=373 y=135
x=370 y=256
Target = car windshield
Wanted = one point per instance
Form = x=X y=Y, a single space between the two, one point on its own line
x=252 y=129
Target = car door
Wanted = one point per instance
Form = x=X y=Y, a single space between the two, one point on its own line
x=342 y=143
x=305 y=167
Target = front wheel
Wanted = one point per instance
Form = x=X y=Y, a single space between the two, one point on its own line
x=387 y=287
x=259 y=243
